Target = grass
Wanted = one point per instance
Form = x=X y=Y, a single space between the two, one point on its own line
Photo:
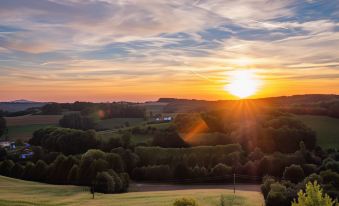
x=24 y=132
x=136 y=138
x=327 y=129
x=24 y=193
x=33 y=119
x=117 y=122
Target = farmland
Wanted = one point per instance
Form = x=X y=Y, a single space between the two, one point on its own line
x=19 y=192
x=22 y=127
x=327 y=129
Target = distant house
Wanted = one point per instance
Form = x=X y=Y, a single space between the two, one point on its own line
x=164 y=119
x=26 y=155
x=5 y=144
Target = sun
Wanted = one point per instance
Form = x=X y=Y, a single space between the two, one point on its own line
x=243 y=83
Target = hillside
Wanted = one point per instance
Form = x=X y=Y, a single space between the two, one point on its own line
x=32 y=193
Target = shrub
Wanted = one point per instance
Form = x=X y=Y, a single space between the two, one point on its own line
x=185 y=202
x=313 y=196
x=277 y=196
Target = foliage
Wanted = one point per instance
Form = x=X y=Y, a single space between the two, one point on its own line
x=3 y=126
x=185 y=202
x=77 y=121
x=294 y=173
x=313 y=196
x=168 y=138
x=67 y=141
x=51 y=109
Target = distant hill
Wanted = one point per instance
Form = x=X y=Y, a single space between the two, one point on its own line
x=19 y=105
x=24 y=101
x=320 y=101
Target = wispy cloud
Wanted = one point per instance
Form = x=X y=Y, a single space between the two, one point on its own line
x=149 y=45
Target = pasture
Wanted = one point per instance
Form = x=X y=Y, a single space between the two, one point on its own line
x=24 y=132
x=22 y=127
x=33 y=119
x=119 y=122
x=19 y=192
x=327 y=129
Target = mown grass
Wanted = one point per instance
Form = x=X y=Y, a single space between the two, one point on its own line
x=24 y=193
x=327 y=129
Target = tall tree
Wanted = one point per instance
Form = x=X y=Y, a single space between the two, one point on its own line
x=3 y=126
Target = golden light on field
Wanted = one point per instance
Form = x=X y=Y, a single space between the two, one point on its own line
x=243 y=83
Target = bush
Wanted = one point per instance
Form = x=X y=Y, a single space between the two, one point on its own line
x=277 y=196
x=185 y=202
x=294 y=173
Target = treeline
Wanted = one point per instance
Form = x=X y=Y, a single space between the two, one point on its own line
x=202 y=163
x=103 y=171
x=330 y=108
x=269 y=131
x=104 y=110
x=67 y=141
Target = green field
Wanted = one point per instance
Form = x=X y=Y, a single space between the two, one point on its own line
x=136 y=138
x=24 y=132
x=327 y=129
x=118 y=122
x=15 y=192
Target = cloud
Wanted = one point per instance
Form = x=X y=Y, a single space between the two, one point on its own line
x=142 y=42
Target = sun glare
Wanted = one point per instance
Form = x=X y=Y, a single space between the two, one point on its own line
x=243 y=83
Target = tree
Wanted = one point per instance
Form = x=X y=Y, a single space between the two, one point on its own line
x=77 y=121
x=221 y=170
x=313 y=196
x=17 y=171
x=51 y=109
x=6 y=167
x=168 y=138
x=294 y=173
x=3 y=126
x=126 y=140
x=104 y=183
x=72 y=177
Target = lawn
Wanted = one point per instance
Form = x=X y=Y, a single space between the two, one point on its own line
x=18 y=192
x=327 y=129
x=24 y=132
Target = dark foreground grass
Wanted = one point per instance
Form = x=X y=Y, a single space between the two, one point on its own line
x=25 y=193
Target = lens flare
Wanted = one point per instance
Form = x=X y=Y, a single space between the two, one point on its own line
x=243 y=83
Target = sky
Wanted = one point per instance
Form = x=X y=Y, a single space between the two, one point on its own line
x=138 y=50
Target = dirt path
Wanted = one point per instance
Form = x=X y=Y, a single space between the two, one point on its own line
x=145 y=187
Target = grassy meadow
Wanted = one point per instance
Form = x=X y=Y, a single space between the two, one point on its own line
x=20 y=192
x=327 y=129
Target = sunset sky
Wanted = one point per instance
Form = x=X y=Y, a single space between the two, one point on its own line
x=137 y=50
